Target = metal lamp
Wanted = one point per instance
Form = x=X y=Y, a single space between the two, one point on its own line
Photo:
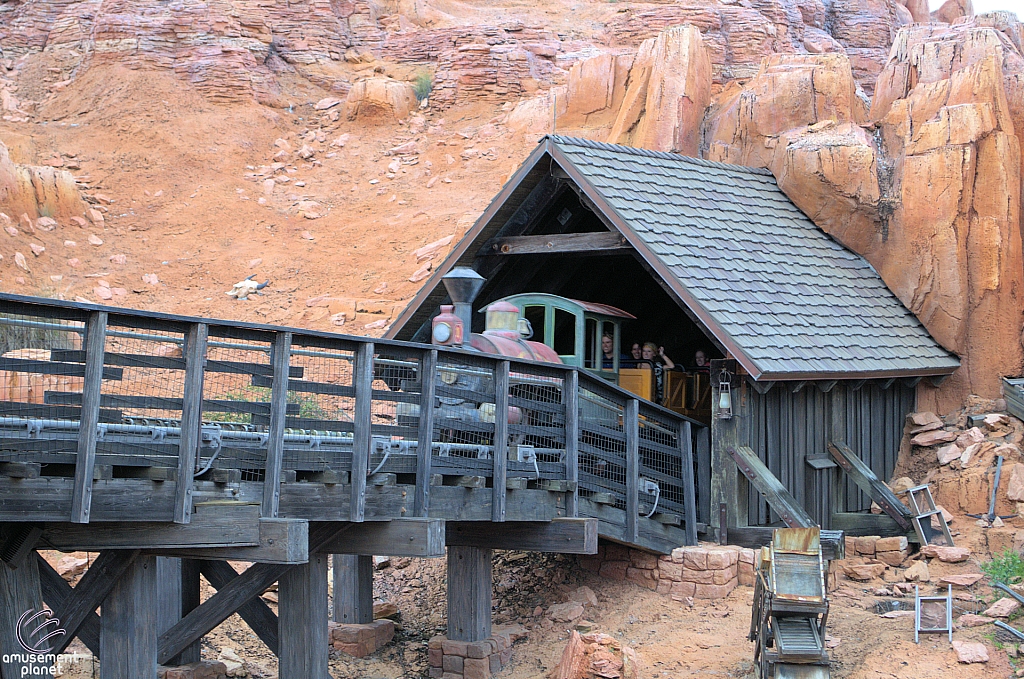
x=724 y=395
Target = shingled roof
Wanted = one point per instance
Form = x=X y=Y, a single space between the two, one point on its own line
x=783 y=297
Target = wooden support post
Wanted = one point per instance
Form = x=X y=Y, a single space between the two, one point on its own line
x=469 y=593
x=128 y=627
x=19 y=593
x=302 y=623
x=56 y=594
x=353 y=588
x=362 y=380
x=190 y=601
x=570 y=398
x=425 y=432
x=689 y=492
x=837 y=432
x=95 y=339
x=256 y=614
x=727 y=484
x=191 y=420
x=631 y=425
x=501 y=372
x=275 y=438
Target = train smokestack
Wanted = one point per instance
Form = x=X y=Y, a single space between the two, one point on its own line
x=463 y=285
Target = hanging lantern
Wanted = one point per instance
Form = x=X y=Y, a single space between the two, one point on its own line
x=724 y=395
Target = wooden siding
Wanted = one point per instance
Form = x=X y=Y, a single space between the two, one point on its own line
x=786 y=427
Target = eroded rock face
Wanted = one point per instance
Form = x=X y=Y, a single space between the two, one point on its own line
x=37 y=190
x=668 y=90
x=377 y=99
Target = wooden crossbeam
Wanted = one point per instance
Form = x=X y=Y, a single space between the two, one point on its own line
x=399 y=537
x=565 y=536
x=218 y=608
x=256 y=614
x=92 y=589
x=870 y=484
x=598 y=242
x=56 y=593
x=778 y=498
x=283 y=541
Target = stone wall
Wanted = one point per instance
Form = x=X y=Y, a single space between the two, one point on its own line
x=702 y=572
x=469 y=659
x=361 y=640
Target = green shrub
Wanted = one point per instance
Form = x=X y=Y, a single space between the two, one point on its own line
x=1007 y=568
x=424 y=85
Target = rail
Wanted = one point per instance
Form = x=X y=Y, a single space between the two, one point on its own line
x=111 y=413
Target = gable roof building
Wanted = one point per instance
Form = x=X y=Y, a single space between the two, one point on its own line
x=768 y=287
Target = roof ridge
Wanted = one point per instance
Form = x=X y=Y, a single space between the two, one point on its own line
x=665 y=155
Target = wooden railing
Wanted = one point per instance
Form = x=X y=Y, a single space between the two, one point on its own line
x=88 y=392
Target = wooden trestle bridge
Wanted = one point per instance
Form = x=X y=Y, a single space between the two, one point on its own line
x=170 y=445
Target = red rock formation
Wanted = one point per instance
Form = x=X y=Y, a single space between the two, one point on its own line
x=866 y=29
x=481 y=71
x=951 y=10
x=379 y=99
x=668 y=90
x=37 y=191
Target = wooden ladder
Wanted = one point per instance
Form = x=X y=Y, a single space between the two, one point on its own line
x=923 y=507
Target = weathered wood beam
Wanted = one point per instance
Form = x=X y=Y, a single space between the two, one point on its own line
x=832 y=543
x=857 y=524
x=501 y=378
x=564 y=536
x=20 y=592
x=399 y=537
x=302 y=623
x=825 y=386
x=283 y=541
x=362 y=380
x=870 y=484
x=95 y=341
x=600 y=242
x=777 y=496
x=425 y=432
x=128 y=628
x=570 y=399
x=228 y=526
x=631 y=426
x=56 y=593
x=469 y=593
x=353 y=588
x=256 y=614
x=281 y=355
x=92 y=590
x=191 y=420
x=689 y=490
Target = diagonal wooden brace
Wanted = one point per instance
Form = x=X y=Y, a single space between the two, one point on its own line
x=870 y=484
x=56 y=593
x=257 y=615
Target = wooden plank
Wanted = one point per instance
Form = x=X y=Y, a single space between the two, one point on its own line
x=128 y=636
x=689 y=492
x=95 y=339
x=780 y=499
x=564 y=536
x=190 y=600
x=26 y=365
x=353 y=588
x=237 y=526
x=172 y=363
x=128 y=401
x=863 y=524
x=282 y=541
x=425 y=432
x=362 y=380
x=469 y=593
x=280 y=357
x=56 y=593
x=256 y=614
x=870 y=484
x=597 y=242
x=20 y=592
x=704 y=475
x=570 y=400
x=168 y=594
x=191 y=420
x=501 y=372
x=413 y=537
x=754 y=537
x=654 y=536
x=20 y=470
x=631 y=426
x=302 y=620
x=53 y=412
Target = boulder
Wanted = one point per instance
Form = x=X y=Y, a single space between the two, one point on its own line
x=668 y=92
x=567 y=612
x=963 y=580
x=972 y=620
x=380 y=98
x=948 y=453
x=970 y=651
x=1003 y=608
x=917 y=573
x=864 y=572
x=1015 y=483
x=945 y=553
x=932 y=438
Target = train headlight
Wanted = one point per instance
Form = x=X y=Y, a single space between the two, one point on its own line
x=442 y=332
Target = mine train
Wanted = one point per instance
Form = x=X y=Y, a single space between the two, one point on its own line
x=547 y=328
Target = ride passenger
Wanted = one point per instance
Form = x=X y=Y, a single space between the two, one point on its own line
x=701 y=362
x=650 y=355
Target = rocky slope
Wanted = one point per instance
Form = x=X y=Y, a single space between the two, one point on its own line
x=216 y=139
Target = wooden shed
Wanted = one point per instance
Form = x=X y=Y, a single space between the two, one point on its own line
x=716 y=258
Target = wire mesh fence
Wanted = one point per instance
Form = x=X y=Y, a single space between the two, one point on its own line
x=661 y=465
x=602 y=447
